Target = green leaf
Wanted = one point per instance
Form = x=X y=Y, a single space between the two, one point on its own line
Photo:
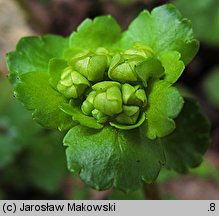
x=33 y=54
x=173 y=65
x=150 y=68
x=46 y=162
x=163 y=29
x=77 y=115
x=185 y=147
x=129 y=127
x=8 y=142
x=112 y=157
x=13 y=117
x=204 y=15
x=164 y=104
x=103 y=31
x=35 y=92
x=211 y=86
x=56 y=67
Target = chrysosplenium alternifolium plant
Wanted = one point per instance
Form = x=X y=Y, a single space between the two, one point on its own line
x=112 y=91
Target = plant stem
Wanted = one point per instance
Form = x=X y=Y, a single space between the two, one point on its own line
x=151 y=191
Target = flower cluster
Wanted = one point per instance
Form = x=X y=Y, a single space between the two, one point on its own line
x=101 y=78
x=107 y=84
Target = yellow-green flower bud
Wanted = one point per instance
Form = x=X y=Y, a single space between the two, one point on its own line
x=129 y=115
x=101 y=118
x=139 y=50
x=91 y=65
x=108 y=99
x=103 y=86
x=104 y=52
x=122 y=70
x=87 y=106
x=72 y=84
x=117 y=103
x=133 y=95
x=122 y=67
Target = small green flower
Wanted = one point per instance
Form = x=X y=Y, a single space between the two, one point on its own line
x=118 y=102
x=87 y=106
x=134 y=100
x=129 y=115
x=101 y=118
x=139 y=50
x=72 y=84
x=133 y=95
x=104 y=101
x=92 y=65
x=108 y=99
x=122 y=67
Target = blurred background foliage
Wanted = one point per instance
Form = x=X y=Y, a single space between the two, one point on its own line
x=32 y=159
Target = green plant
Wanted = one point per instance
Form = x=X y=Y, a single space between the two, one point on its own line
x=112 y=91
